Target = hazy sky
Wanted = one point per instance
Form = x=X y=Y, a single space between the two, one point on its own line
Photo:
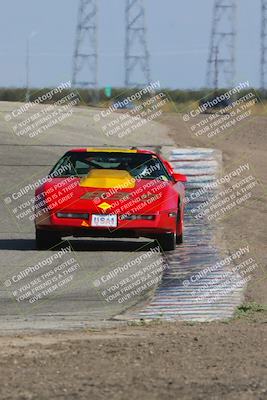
x=178 y=38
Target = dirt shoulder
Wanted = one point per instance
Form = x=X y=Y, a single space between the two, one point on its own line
x=166 y=361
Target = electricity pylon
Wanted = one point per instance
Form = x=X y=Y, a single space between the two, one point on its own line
x=263 y=65
x=221 y=60
x=137 y=63
x=85 y=59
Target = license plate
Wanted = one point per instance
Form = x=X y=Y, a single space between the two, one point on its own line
x=108 y=221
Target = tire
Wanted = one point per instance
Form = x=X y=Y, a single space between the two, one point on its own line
x=44 y=240
x=179 y=239
x=167 y=241
x=179 y=228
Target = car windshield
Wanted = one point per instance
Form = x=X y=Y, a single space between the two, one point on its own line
x=139 y=165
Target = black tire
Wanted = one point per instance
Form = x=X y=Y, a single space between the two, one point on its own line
x=167 y=241
x=46 y=239
x=179 y=239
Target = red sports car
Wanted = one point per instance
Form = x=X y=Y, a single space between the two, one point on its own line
x=101 y=192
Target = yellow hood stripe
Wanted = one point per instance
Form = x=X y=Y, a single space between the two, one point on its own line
x=108 y=178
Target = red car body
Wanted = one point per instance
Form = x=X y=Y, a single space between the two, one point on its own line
x=111 y=201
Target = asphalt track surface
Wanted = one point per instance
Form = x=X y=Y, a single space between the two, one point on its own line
x=80 y=301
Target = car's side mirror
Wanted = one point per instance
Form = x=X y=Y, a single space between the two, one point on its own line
x=179 y=177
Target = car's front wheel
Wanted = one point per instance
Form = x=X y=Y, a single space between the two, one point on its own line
x=46 y=239
x=179 y=227
x=167 y=241
x=179 y=238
